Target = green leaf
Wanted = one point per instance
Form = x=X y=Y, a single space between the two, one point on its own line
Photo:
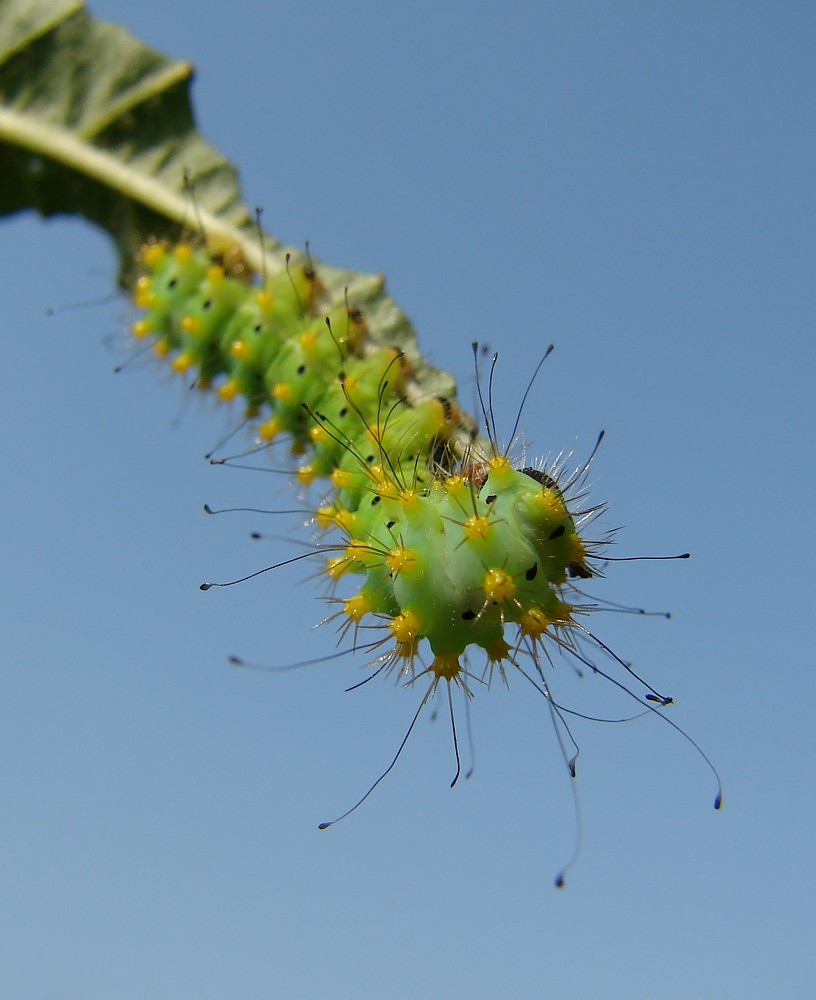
x=93 y=122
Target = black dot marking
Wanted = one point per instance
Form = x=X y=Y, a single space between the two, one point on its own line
x=390 y=524
x=557 y=532
x=580 y=570
x=375 y=500
x=207 y=304
x=468 y=616
x=532 y=572
x=301 y=369
x=344 y=412
x=491 y=498
x=172 y=282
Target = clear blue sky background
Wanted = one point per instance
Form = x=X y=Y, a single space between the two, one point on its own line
x=633 y=181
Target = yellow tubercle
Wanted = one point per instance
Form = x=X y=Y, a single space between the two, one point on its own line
x=191 y=324
x=382 y=480
x=576 y=550
x=406 y=627
x=269 y=429
x=385 y=488
x=161 y=348
x=306 y=474
x=145 y=297
x=362 y=552
x=455 y=486
x=446 y=665
x=477 y=527
x=153 y=254
x=559 y=615
x=308 y=339
x=182 y=363
x=497 y=652
x=319 y=435
x=357 y=607
x=501 y=471
x=265 y=300
x=228 y=391
x=182 y=252
x=325 y=517
x=534 y=622
x=283 y=392
x=406 y=651
x=342 y=479
x=215 y=274
x=400 y=559
x=240 y=350
x=409 y=499
x=499 y=586
x=141 y=329
x=547 y=504
x=337 y=567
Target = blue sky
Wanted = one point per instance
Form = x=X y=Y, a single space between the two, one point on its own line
x=631 y=181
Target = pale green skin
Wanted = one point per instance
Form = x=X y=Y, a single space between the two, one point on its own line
x=428 y=532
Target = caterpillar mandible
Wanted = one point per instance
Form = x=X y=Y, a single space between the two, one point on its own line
x=451 y=547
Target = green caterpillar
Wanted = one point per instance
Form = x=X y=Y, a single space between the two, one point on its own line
x=450 y=542
x=445 y=541
x=455 y=561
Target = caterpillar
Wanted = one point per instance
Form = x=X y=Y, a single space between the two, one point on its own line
x=451 y=541
x=459 y=562
x=446 y=561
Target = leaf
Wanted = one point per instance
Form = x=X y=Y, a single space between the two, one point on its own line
x=93 y=122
